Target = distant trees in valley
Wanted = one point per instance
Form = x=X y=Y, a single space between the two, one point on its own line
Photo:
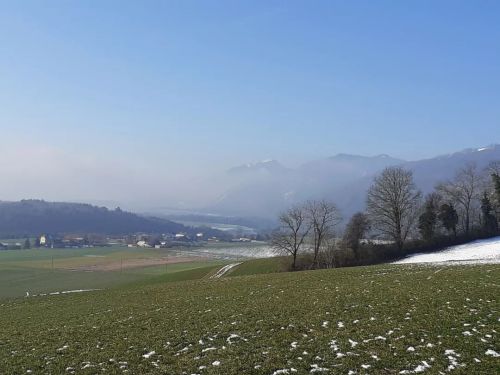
x=398 y=220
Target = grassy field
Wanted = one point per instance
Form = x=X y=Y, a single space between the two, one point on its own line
x=377 y=320
x=261 y=266
x=48 y=270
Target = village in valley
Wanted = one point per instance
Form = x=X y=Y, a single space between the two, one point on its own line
x=140 y=240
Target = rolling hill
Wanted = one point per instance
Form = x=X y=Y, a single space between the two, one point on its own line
x=32 y=217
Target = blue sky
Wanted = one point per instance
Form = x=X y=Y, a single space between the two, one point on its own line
x=198 y=86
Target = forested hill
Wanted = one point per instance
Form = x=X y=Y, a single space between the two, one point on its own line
x=32 y=217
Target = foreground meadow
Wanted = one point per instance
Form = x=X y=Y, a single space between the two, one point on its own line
x=377 y=320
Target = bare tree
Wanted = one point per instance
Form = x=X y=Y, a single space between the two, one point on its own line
x=493 y=168
x=294 y=228
x=392 y=204
x=323 y=216
x=355 y=231
x=329 y=254
x=464 y=191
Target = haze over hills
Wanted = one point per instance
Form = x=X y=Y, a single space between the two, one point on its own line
x=265 y=167
x=250 y=195
x=34 y=217
x=264 y=189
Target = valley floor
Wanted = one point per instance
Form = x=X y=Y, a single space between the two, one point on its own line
x=391 y=319
x=41 y=271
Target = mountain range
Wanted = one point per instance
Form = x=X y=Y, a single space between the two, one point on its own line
x=252 y=195
x=265 y=188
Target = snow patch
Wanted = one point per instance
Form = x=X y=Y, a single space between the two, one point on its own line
x=353 y=343
x=147 y=355
x=224 y=270
x=492 y=353
x=482 y=251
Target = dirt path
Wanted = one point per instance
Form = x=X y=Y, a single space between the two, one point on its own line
x=224 y=270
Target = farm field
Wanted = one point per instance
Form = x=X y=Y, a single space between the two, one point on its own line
x=38 y=271
x=390 y=319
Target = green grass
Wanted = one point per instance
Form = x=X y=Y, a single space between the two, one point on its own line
x=261 y=266
x=42 y=258
x=194 y=273
x=31 y=271
x=15 y=282
x=391 y=318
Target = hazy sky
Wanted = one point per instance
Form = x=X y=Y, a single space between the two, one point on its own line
x=98 y=97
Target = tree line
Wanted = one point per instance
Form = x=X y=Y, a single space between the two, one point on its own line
x=398 y=220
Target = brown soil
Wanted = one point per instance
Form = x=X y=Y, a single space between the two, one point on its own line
x=135 y=263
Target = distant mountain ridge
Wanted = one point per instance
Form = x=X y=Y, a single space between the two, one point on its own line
x=269 y=166
x=264 y=190
x=256 y=190
x=34 y=217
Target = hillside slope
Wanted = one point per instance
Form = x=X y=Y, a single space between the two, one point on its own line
x=480 y=251
x=378 y=320
x=32 y=217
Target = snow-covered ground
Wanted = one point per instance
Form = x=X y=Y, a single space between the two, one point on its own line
x=482 y=251
x=238 y=251
x=63 y=292
x=224 y=270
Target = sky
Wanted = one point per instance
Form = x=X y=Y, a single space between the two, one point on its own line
x=112 y=100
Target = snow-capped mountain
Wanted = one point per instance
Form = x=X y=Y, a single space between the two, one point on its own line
x=268 y=166
x=265 y=188
x=428 y=171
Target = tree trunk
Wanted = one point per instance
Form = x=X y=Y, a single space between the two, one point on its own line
x=467 y=219
x=315 y=260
